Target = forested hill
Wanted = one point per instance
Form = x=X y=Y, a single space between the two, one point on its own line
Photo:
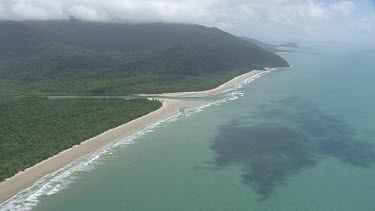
x=84 y=58
x=78 y=57
x=271 y=47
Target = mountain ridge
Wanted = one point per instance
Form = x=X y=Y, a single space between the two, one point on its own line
x=271 y=47
x=83 y=57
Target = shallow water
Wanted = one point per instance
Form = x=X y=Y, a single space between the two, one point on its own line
x=300 y=138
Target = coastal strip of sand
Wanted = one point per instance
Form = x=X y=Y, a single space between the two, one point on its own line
x=170 y=107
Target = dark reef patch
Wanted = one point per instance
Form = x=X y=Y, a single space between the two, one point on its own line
x=283 y=138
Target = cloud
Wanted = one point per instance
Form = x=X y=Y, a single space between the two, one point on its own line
x=88 y=13
x=344 y=7
x=2 y=12
x=191 y=11
x=367 y=23
x=209 y=11
x=288 y=19
x=27 y=10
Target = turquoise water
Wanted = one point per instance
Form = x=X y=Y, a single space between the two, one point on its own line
x=300 y=138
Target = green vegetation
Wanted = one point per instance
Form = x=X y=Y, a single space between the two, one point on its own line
x=73 y=57
x=39 y=58
x=35 y=128
x=270 y=47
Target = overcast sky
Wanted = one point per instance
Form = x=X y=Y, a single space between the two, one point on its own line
x=269 y=20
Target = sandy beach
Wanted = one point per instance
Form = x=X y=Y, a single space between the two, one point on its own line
x=206 y=93
x=170 y=107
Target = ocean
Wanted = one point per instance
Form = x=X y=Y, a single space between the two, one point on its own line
x=299 y=138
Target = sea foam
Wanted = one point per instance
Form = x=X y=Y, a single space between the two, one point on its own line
x=54 y=182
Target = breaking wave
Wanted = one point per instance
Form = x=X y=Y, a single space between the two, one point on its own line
x=56 y=181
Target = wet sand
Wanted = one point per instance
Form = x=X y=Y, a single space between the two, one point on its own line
x=170 y=107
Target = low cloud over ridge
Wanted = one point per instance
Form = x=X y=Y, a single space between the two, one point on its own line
x=288 y=19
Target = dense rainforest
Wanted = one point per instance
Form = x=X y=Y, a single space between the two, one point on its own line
x=74 y=57
x=71 y=57
x=35 y=128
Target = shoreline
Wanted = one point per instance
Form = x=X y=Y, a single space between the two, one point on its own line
x=209 y=92
x=26 y=178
